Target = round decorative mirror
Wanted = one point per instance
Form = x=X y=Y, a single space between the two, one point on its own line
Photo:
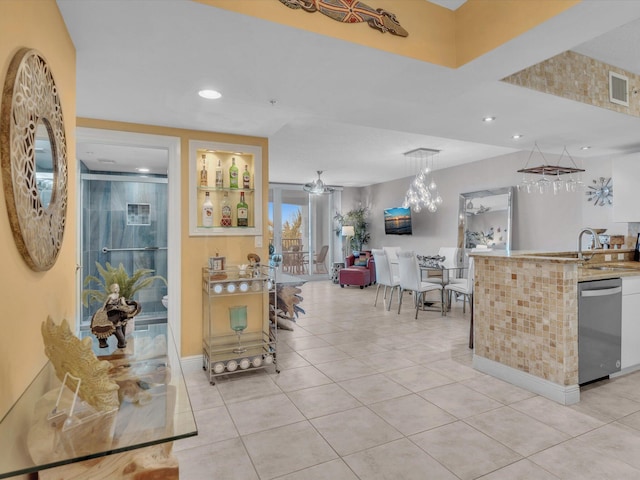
x=33 y=157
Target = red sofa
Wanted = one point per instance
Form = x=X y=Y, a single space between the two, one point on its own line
x=358 y=271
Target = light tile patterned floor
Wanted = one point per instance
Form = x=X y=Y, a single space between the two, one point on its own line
x=369 y=394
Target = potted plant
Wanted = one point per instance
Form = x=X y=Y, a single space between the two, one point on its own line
x=115 y=293
x=356 y=217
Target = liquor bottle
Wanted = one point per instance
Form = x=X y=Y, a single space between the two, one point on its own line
x=207 y=211
x=203 y=172
x=233 y=174
x=246 y=178
x=243 y=212
x=225 y=219
x=219 y=176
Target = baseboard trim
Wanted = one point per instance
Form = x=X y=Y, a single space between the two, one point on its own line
x=565 y=395
x=191 y=364
x=625 y=371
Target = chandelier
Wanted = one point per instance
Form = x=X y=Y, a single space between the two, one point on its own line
x=423 y=190
x=551 y=180
x=317 y=187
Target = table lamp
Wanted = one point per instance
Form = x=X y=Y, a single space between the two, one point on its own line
x=349 y=232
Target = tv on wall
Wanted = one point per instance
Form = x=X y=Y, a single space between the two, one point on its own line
x=397 y=221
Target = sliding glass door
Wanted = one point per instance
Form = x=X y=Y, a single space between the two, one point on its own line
x=300 y=228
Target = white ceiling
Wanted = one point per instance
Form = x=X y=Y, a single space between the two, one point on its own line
x=329 y=105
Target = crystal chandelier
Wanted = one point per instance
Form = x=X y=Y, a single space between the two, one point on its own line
x=318 y=187
x=551 y=181
x=423 y=190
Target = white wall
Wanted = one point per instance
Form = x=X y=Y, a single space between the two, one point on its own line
x=540 y=222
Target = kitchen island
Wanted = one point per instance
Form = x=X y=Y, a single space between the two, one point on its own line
x=526 y=315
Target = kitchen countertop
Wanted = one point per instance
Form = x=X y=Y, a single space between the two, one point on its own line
x=587 y=272
x=596 y=268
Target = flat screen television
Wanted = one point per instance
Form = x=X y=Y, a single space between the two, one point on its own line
x=397 y=221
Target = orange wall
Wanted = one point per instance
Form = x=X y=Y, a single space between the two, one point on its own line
x=28 y=297
x=436 y=35
x=196 y=250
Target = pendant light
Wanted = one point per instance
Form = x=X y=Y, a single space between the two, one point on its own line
x=423 y=190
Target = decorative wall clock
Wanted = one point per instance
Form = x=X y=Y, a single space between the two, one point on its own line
x=33 y=158
x=601 y=192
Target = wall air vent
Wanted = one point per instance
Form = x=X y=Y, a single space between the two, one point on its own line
x=618 y=89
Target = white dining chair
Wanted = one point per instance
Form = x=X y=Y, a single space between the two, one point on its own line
x=410 y=279
x=384 y=277
x=466 y=290
x=392 y=256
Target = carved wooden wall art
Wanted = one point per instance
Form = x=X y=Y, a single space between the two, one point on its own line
x=351 y=11
x=35 y=188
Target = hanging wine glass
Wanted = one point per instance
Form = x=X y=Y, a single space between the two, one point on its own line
x=544 y=184
x=238 y=322
x=558 y=184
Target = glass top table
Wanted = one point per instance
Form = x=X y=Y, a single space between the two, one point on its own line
x=159 y=412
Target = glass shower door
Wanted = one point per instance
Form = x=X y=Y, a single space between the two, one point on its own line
x=124 y=221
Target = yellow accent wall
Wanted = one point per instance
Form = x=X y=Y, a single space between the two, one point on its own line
x=196 y=250
x=436 y=34
x=431 y=27
x=28 y=297
x=482 y=25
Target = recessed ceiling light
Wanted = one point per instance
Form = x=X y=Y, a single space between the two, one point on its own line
x=517 y=136
x=586 y=147
x=488 y=119
x=209 y=94
x=142 y=170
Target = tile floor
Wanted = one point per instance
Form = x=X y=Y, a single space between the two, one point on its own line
x=368 y=394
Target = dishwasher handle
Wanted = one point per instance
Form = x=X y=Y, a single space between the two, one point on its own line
x=601 y=292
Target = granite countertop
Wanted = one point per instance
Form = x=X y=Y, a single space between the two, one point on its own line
x=604 y=270
x=602 y=264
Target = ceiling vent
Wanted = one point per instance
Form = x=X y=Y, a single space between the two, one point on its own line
x=618 y=89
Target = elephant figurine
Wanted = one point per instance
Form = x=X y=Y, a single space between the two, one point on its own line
x=112 y=317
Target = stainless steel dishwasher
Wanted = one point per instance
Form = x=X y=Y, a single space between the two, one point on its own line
x=599 y=328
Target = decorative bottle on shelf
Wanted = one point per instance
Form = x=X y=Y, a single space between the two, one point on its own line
x=243 y=212
x=219 y=176
x=203 y=172
x=246 y=178
x=233 y=174
x=225 y=219
x=207 y=211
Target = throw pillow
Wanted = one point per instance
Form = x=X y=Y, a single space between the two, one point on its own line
x=361 y=261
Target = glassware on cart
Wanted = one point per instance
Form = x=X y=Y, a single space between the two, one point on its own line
x=238 y=322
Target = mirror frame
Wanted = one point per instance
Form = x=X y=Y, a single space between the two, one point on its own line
x=29 y=97
x=462 y=213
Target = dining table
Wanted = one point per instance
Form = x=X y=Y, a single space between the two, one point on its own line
x=448 y=274
x=294 y=261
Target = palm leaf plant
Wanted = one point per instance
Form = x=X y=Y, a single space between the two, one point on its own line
x=358 y=218
x=129 y=285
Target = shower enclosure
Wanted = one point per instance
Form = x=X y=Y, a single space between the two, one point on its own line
x=124 y=220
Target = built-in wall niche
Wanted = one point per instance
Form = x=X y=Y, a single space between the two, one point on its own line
x=225 y=189
x=138 y=214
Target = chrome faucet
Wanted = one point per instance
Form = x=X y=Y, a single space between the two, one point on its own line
x=596 y=242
